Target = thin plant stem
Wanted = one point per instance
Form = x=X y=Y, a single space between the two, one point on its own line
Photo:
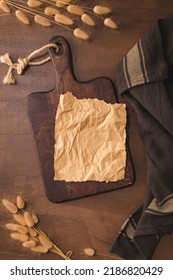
x=105 y=255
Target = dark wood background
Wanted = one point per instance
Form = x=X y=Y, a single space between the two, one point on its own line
x=88 y=222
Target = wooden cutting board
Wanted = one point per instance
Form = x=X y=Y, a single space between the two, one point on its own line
x=42 y=110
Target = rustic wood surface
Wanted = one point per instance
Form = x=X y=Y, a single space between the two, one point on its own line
x=91 y=221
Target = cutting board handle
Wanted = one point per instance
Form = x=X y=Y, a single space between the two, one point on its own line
x=62 y=60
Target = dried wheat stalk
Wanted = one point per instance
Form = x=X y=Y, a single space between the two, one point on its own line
x=27 y=230
x=60 y=12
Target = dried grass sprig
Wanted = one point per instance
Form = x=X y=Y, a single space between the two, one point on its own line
x=43 y=12
x=44 y=21
x=28 y=231
x=51 y=11
x=20 y=202
x=20 y=219
x=4 y=6
x=34 y=3
x=35 y=218
x=63 y=3
x=10 y=206
x=45 y=242
x=75 y=10
x=60 y=18
x=79 y=33
x=32 y=232
x=101 y=10
x=90 y=252
x=16 y=227
x=29 y=244
x=39 y=249
x=88 y=20
x=28 y=219
x=110 y=23
x=19 y=236
x=22 y=17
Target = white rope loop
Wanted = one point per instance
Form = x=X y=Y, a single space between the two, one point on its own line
x=23 y=62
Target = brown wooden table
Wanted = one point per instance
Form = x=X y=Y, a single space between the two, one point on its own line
x=88 y=222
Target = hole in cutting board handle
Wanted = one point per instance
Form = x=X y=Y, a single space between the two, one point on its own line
x=62 y=44
x=60 y=49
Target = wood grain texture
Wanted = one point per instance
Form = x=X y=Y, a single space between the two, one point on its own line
x=91 y=221
x=42 y=109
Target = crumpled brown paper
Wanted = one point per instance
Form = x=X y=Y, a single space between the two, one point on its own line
x=89 y=140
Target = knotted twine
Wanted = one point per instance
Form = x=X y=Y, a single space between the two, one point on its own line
x=23 y=62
